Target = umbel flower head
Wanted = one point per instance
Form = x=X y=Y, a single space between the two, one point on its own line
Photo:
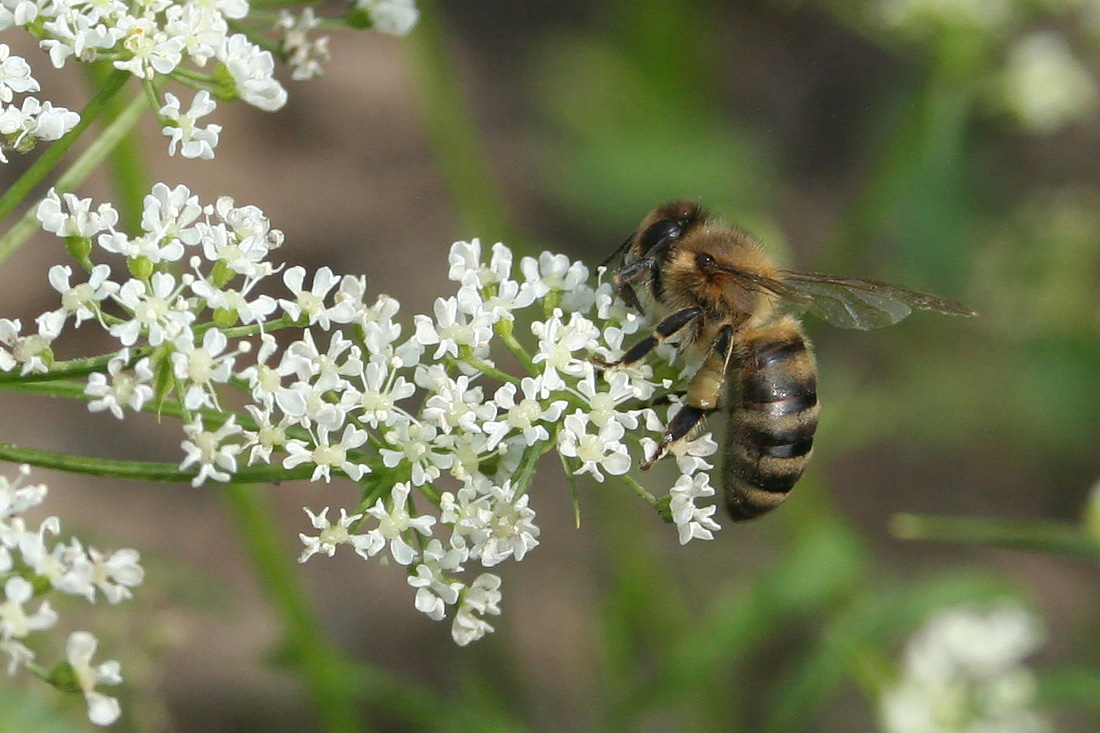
x=443 y=444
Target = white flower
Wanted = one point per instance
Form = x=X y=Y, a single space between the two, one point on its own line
x=31 y=351
x=170 y=214
x=15 y=75
x=160 y=314
x=692 y=522
x=16 y=498
x=455 y=405
x=152 y=50
x=82 y=300
x=81 y=647
x=453 y=330
x=395 y=522
x=557 y=343
x=375 y=403
x=268 y=436
x=237 y=302
x=465 y=261
x=311 y=303
x=252 y=70
x=69 y=216
x=553 y=272
x=602 y=404
x=327 y=456
x=415 y=444
x=396 y=17
x=15 y=623
x=602 y=450
x=200 y=367
x=963 y=671
x=205 y=448
x=333 y=535
x=1045 y=85
x=481 y=598
x=522 y=414
x=504 y=527
x=303 y=56
x=119 y=389
x=35 y=120
x=198 y=142
x=434 y=589
x=114 y=573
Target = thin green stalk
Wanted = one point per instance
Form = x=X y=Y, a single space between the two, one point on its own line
x=128 y=173
x=463 y=161
x=329 y=675
x=47 y=161
x=1018 y=534
x=141 y=470
x=77 y=172
x=638 y=489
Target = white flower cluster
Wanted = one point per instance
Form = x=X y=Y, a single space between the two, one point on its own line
x=24 y=124
x=963 y=672
x=154 y=39
x=30 y=567
x=424 y=411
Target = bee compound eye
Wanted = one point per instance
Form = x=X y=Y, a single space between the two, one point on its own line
x=659 y=231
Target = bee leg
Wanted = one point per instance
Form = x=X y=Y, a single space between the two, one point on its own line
x=703 y=396
x=627 y=274
x=665 y=330
x=626 y=292
x=685 y=421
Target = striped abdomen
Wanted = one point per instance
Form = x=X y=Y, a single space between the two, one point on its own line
x=773 y=416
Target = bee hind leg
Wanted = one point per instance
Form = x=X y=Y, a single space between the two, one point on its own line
x=703 y=396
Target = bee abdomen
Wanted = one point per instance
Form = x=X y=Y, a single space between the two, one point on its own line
x=773 y=417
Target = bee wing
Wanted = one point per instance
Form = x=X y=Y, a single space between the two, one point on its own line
x=850 y=302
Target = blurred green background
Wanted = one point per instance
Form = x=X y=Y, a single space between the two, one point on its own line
x=947 y=147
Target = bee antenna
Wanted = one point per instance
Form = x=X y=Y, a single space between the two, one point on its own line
x=622 y=248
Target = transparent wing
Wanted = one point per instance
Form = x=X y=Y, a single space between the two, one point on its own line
x=849 y=302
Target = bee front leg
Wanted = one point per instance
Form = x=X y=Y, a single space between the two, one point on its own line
x=665 y=330
x=703 y=395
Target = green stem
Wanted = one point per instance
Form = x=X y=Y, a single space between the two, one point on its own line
x=462 y=158
x=503 y=330
x=1018 y=534
x=37 y=172
x=328 y=674
x=142 y=470
x=125 y=163
x=77 y=172
x=638 y=489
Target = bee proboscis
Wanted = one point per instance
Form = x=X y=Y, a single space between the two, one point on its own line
x=711 y=288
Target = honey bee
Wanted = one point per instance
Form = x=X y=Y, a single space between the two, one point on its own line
x=713 y=290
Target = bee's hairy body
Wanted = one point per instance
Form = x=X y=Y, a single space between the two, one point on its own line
x=711 y=289
x=772 y=418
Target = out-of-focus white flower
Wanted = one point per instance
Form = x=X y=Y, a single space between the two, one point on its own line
x=396 y=17
x=1045 y=85
x=81 y=647
x=964 y=672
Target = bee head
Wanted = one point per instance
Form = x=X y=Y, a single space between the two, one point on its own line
x=716 y=264
x=666 y=225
